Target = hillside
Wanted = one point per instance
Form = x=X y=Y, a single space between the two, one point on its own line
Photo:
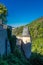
x=36 y=31
x=35 y=28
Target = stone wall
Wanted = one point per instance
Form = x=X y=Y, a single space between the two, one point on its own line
x=4 y=41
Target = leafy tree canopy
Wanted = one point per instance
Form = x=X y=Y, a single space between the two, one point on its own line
x=3 y=12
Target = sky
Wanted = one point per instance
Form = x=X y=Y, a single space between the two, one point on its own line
x=22 y=12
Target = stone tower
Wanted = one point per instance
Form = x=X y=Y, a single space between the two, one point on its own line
x=26 y=45
x=4 y=42
x=26 y=42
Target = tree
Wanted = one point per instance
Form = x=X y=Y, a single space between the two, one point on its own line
x=3 y=12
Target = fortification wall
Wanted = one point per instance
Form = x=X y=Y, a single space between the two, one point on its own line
x=4 y=41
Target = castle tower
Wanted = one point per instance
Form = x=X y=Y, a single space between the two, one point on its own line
x=24 y=41
x=4 y=42
x=26 y=45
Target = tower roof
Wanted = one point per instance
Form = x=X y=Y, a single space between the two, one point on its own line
x=25 y=32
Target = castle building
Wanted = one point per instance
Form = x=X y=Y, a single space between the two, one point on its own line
x=4 y=42
x=24 y=41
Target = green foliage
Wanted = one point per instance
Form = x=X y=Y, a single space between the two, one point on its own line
x=37 y=46
x=36 y=29
x=36 y=59
x=16 y=58
x=3 y=12
x=18 y=30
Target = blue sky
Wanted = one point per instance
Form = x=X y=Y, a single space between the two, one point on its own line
x=21 y=12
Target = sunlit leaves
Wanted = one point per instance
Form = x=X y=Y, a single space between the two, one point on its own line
x=3 y=12
x=37 y=46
